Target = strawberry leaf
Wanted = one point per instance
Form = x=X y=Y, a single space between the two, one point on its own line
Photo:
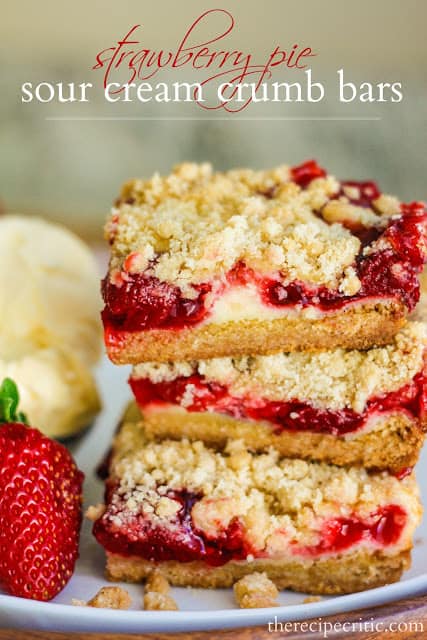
x=9 y=400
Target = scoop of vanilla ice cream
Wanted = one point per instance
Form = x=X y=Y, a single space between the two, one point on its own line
x=50 y=331
x=57 y=391
x=49 y=290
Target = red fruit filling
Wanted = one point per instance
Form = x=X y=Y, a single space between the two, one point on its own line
x=368 y=192
x=137 y=536
x=304 y=173
x=403 y=473
x=390 y=272
x=179 y=540
x=383 y=527
x=140 y=301
x=143 y=302
x=293 y=415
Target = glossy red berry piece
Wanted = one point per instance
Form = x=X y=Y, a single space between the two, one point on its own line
x=304 y=173
x=40 y=513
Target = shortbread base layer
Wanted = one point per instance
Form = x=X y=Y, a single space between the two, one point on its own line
x=360 y=326
x=353 y=572
x=394 y=446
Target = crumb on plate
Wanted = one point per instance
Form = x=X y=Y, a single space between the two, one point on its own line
x=157 y=583
x=310 y=599
x=155 y=601
x=255 y=591
x=107 y=598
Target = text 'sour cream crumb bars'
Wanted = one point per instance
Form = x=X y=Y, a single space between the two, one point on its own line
x=206 y=517
x=210 y=264
x=338 y=406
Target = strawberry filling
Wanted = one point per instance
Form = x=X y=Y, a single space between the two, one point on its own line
x=143 y=302
x=306 y=172
x=292 y=415
x=179 y=540
x=140 y=301
x=383 y=528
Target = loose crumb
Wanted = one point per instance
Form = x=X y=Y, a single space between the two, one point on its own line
x=95 y=511
x=155 y=601
x=157 y=583
x=109 y=598
x=255 y=591
x=310 y=599
x=78 y=603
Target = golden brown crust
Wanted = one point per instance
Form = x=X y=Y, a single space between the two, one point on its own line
x=359 y=326
x=335 y=575
x=393 y=446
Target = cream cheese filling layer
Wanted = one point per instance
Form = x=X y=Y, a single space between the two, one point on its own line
x=244 y=303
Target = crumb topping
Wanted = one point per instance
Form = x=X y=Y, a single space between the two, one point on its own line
x=280 y=501
x=194 y=225
x=340 y=211
x=327 y=379
x=387 y=205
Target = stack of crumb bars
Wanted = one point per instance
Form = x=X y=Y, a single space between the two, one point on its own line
x=279 y=384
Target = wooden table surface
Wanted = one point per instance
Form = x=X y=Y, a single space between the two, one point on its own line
x=403 y=620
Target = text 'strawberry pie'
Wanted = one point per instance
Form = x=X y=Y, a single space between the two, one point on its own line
x=210 y=264
x=206 y=517
x=343 y=407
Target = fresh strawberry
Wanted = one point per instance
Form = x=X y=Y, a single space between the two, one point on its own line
x=40 y=506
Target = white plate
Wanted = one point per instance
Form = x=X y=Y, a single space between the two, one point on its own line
x=199 y=608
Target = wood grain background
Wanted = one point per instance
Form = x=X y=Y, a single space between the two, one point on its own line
x=403 y=620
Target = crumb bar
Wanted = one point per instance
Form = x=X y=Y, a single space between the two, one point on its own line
x=203 y=517
x=341 y=407
x=208 y=264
